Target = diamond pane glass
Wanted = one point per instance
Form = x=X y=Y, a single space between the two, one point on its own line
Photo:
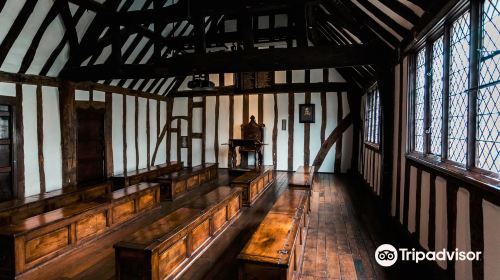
x=419 y=101
x=377 y=117
x=437 y=96
x=372 y=116
x=488 y=96
x=459 y=81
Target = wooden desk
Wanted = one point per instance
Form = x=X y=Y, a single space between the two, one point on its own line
x=254 y=183
x=275 y=250
x=302 y=178
x=35 y=240
x=145 y=175
x=165 y=248
x=178 y=183
x=17 y=210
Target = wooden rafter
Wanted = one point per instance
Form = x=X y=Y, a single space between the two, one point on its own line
x=254 y=60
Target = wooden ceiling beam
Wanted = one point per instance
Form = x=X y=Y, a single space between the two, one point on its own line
x=394 y=25
x=238 y=61
x=185 y=10
x=277 y=88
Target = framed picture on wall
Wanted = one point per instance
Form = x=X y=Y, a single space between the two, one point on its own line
x=306 y=113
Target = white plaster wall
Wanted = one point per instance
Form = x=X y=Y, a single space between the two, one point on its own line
x=413 y=199
x=223 y=132
x=161 y=155
x=491 y=214
x=441 y=218
x=117 y=132
x=315 y=128
x=130 y=135
x=153 y=134
x=31 y=170
x=282 y=139
x=141 y=133
x=268 y=119
x=331 y=116
x=298 y=133
x=210 y=128
x=424 y=209
x=51 y=139
x=463 y=269
x=7 y=89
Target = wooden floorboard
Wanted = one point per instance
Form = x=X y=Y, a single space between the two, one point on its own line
x=343 y=233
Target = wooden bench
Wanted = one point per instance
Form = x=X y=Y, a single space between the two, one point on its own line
x=276 y=249
x=40 y=238
x=166 y=248
x=178 y=183
x=302 y=178
x=17 y=210
x=145 y=174
x=254 y=183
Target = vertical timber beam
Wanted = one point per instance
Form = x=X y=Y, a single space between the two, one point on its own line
x=385 y=77
x=68 y=132
x=108 y=133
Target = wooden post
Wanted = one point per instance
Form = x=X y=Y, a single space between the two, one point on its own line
x=68 y=132
x=108 y=133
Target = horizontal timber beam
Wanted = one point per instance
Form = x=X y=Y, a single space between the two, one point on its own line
x=237 y=61
x=277 y=88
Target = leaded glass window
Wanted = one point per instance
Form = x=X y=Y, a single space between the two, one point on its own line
x=437 y=70
x=419 y=101
x=488 y=96
x=372 y=116
x=459 y=84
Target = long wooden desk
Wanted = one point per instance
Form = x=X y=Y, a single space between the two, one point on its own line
x=40 y=238
x=275 y=250
x=254 y=183
x=302 y=178
x=165 y=248
x=145 y=175
x=178 y=183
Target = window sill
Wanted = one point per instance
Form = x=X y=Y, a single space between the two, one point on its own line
x=448 y=169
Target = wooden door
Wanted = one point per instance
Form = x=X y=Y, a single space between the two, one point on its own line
x=90 y=145
x=6 y=153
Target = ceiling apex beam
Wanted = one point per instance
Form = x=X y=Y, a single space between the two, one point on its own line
x=237 y=61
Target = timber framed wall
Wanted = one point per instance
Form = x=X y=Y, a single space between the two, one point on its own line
x=40 y=128
x=436 y=208
x=298 y=144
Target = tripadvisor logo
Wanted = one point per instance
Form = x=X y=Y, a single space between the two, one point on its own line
x=386 y=255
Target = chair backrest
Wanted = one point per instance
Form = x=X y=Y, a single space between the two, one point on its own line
x=252 y=130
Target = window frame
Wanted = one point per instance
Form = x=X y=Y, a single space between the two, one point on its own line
x=372 y=118
x=443 y=28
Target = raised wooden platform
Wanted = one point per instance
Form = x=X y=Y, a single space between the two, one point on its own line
x=254 y=183
x=167 y=246
x=276 y=249
x=27 y=243
x=178 y=183
x=145 y=174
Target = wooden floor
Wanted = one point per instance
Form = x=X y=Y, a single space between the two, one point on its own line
x=341 y=241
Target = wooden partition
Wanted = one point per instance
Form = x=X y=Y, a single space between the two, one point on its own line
x=145 y=174
x=30 y=242
x=254 y=183
x=284 y=230
x=178 y=183
x=165 y=248
x=17 y=210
